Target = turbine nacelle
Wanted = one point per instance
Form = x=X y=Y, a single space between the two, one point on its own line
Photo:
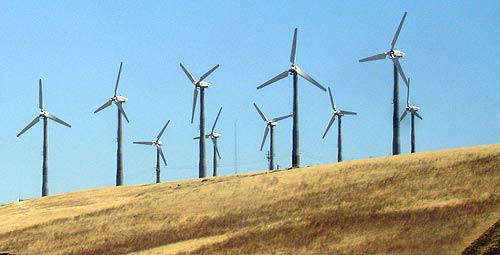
x=214 y=135
x=203 y=84
x=412 y=107
x=272 y=123
x=159 y=143
x=119 y=99
x=396 y=54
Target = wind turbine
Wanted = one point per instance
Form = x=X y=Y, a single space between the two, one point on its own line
x=294 y=70
x=394 y=55
x=338 y=113
x=201 y=85
x=159 y=152
x=414 y=112
x=270 y=124
x=45 y=116
x=118 y=100
x=214 y=136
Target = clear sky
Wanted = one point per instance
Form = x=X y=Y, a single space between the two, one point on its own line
x=452 y=56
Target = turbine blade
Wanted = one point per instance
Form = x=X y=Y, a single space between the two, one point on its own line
x=195 y=96
x=329 y=125
x=404 y=115
x=196 y=138
x=264 y=138
x=217 y=150
x=216 y=119
x=309 y=78
x=418 y=115
x=120 y=108
x=161 y=154
x=274 y=79
x=118 y=78
x=260 y=113
x=208 y=73
x=282 y=118
x=400 y=70
x=347 y=112
x=294 y=46
x=56 y=119
x=40 y=95
x=162 y=130
x=188 y=74
x=32 y=123
x=374 y=57
x=331 y=100
x=108 y=103
x=144 y=142
x=393 y=44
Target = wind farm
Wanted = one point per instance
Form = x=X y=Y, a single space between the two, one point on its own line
x=329 y=184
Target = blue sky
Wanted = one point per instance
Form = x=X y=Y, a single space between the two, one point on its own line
x=452 y=56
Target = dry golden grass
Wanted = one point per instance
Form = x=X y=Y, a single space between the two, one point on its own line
x=425 y=203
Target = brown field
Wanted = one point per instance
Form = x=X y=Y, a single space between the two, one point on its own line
x=425 y=203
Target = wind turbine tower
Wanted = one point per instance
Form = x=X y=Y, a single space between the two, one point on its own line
x=295 y=71
x=414 y=112
x=214 y=137
x=394 y=55
x=336 y=113
x=270 y=124
x=159 y=151
x=118 y=100
x=45 y=116
x=200 y=85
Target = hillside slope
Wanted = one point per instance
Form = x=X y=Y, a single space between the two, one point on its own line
x=425 y=203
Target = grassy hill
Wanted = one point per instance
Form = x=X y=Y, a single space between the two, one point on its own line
x=425 y=203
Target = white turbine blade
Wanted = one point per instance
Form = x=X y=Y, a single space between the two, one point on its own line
x=282 y=118
x=216 y=119
x=400 y=70
x=118 y=78
x=32 y=123
x=264 y=138
x=188 y=74
x=195 y=96
x=329 y=125
x=145 y=143
x=56 y=119
x=309 y=78
x=331 y=100
x=404 y=115
x=158 y=147
x=260 y=113
x=40 y=95
x=208 y=73
x=347 y=112
x=374 y=57
x=216 y=148
x=294 y=47
x=393 y=43
x=274 y=79
x=416 y=114
x=108 y=103
x=162 y=130
x=120 y=108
